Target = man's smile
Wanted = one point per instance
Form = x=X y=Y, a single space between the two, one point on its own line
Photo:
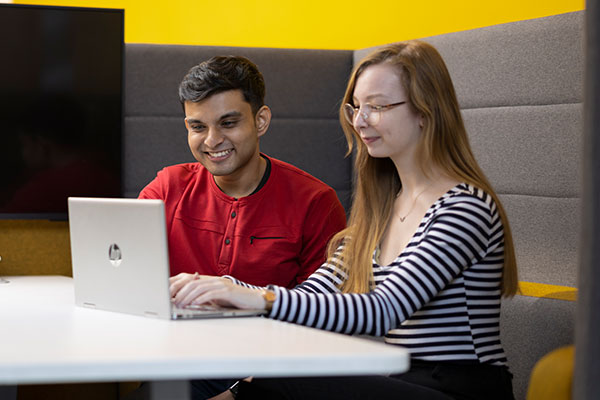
x=216 y=155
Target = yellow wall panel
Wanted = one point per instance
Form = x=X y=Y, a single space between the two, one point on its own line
x=34 y=248
x=318 y=24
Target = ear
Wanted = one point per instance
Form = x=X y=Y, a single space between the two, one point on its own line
x=421 y=121
x=186 y=104
x=262 y=120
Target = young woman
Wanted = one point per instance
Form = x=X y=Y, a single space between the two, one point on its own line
x=427 y=254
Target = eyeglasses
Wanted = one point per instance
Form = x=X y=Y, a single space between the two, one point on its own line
x=370 y=112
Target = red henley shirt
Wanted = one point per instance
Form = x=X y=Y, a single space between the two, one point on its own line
x=277 y=235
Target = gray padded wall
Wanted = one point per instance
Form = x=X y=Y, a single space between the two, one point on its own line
x=304 y=88
x=520 y=89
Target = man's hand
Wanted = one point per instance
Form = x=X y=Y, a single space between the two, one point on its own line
x=226 y=395
x=216 y=290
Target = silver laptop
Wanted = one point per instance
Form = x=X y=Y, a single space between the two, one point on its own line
x=120 y=259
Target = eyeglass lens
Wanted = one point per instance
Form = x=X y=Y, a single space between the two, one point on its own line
x=370 y=116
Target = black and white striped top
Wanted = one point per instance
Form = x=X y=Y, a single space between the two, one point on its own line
x=440 y=298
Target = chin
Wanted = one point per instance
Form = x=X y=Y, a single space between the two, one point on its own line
x=377 y=154
x=223 y=171
x=216 y=170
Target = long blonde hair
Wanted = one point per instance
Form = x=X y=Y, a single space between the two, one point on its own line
x=443 y=143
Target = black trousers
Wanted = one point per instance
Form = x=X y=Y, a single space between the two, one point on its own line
x=425 y=380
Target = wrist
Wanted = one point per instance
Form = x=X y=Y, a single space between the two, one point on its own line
x=269 y=297
x=234 y=389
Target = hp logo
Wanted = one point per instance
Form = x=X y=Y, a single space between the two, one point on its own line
x=114 y=255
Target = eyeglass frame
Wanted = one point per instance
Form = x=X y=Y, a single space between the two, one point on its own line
x=366 y=116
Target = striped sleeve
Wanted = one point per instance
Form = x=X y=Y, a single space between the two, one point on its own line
x=457 y=237
x=327 y=279
x=241 y=283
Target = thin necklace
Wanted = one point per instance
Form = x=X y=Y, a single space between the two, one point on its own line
x=414 y=202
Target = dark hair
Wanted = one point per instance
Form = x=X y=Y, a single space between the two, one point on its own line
x=220 y=74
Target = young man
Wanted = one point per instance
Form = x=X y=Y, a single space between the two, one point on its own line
x=237 y=211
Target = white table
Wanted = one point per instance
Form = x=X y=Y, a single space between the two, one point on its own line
x=45 y=338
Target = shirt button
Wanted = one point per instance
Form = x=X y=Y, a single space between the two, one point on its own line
x=233 y=214
x=227 y=241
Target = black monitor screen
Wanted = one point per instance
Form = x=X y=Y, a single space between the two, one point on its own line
x=61 y=80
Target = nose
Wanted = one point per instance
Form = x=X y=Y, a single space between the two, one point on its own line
x=360 y=120
x=213 y=138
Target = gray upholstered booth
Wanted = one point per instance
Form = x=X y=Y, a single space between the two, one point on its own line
x=520 y=88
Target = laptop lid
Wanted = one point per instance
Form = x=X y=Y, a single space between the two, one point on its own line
x=120 y=258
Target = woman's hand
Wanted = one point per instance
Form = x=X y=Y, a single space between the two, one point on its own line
x=217 y=290
x=178 y=281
